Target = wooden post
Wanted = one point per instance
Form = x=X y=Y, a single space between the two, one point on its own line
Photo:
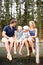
x=37 y=51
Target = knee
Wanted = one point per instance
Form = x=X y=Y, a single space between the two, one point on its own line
x=25 y=39
x=29 y=39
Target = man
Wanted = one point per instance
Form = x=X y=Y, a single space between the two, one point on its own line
x=8 y=37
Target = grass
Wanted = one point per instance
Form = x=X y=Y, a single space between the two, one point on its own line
x=20 y=60
x=17 y=59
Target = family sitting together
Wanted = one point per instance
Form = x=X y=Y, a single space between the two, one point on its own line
x=19 y=36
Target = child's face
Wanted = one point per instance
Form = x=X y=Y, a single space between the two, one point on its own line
x=26 y=30
x=19 y=29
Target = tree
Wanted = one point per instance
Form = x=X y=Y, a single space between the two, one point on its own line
x=22 y=19
x=29 y=11
x=18 y=10
x=0 y=16
x=10 y=6
x=0 y=10
x=39 y=17
x=26 y=12
x=7 y=11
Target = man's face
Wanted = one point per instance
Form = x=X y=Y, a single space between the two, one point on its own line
x=14 y=24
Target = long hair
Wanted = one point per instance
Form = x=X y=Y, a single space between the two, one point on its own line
x=32 y=22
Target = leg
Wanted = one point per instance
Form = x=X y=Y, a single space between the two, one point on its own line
x=11 y=40
x=15 y=46
x=5 y=40
x=21 y=46
x=31 y=44
x=27 y=46
x=17 y=43
x=7 y=46
x=11 y=43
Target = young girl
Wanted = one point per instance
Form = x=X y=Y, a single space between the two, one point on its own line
x=18 y=35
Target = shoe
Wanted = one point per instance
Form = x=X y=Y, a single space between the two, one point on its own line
x=9 y=57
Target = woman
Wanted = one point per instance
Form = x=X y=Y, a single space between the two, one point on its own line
x=33 y=34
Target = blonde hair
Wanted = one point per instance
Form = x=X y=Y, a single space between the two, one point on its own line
x=26 y=27
x=20 y=27
x=32 y=22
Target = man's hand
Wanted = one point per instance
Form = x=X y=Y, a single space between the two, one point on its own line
x=11 y=39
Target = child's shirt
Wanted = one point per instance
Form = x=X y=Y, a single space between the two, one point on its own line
x=18 y=34
x=25 y=35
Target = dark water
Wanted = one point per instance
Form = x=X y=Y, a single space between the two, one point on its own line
x=20 y=61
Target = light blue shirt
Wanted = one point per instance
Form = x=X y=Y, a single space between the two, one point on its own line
x=18 y=34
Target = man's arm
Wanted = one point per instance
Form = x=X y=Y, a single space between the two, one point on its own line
x=4 y=35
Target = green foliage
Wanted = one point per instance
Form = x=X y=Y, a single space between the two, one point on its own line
x=26 y=17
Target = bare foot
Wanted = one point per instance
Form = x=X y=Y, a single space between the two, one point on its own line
x=33 y=51
x=28 y=54
x=9 y=57
x=15 y=52
x=20 y=53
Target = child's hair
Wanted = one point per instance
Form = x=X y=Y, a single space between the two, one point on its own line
x=32 y=22
x=26 y=27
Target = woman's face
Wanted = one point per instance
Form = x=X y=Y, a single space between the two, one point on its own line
x=31 y=24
